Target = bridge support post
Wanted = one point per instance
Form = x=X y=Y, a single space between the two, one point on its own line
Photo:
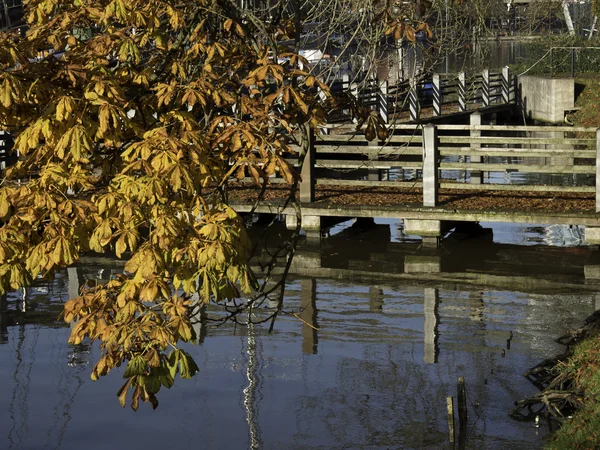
x=476 y=176
x=307 y=185
x=437 y=95
x=462 y=91
x=429 y=230
x=430 y=166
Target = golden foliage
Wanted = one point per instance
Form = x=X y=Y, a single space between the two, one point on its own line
x=130 y=118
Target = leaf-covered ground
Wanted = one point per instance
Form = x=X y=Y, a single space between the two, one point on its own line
x=449 y=199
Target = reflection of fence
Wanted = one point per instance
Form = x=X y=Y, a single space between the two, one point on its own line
x=473 y=149
x=442 y=92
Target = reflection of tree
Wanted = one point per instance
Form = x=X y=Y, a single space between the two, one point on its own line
x=252 y=390
x=20 y=395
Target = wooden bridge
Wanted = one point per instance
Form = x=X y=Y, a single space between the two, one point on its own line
x=435 y=176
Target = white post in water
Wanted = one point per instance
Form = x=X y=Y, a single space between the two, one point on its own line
x=430 y=166
x=430 y=311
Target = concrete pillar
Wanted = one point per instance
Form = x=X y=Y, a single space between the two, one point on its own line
x=592 y=235
x=430 y=230
x=476 y=176
x=309 y=223
x=307 y=185
x=310 y=338
x=306 y=259
x=431 y=302
x=73 y=282
x=430 y=166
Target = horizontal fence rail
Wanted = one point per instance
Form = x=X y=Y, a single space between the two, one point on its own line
x=464 y=157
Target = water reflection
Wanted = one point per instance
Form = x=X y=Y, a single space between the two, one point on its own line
x=376 y=335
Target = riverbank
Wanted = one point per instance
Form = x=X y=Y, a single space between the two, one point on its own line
x=587 y=91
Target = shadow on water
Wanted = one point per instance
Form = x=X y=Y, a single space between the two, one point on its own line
x=377 y=332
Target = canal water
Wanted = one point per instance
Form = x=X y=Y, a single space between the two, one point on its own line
x=368 y=361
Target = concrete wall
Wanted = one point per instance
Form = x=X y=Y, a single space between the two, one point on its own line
x=546 y=99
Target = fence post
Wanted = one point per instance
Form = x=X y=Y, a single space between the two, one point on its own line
x=506 y=84
x=307 y=185
x=476 y=176
x=383 y=100
x=598 y=170
x=430 y=165
x=437 y=95
x=573 y=63
x=485 y=87
x=414 y=105
x=462 y=91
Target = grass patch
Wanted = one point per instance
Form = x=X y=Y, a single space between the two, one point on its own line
x=588 y=99
x=583 y=430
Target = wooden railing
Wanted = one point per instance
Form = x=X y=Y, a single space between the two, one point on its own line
x=453 y=157
x=436 y=91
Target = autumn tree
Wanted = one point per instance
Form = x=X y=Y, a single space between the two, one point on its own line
x=130 y=118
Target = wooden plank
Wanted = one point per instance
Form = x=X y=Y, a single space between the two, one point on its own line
x=529 y=168
x=517 y=152
x=359 y=138
x=370 y=150
x=335 y=164
x=512 y=140
x=516 y=187
x=368 y=183
x=515 y=128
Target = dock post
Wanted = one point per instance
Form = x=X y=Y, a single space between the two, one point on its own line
x=307 y=185
x=437 y=95
x=383 y=100
x=462 y=91
x=506 y=85
x=485 y=87
x=476 y=176
x=308 y=315
x=430 y=166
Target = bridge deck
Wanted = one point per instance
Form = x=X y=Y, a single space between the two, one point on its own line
x=454 y=205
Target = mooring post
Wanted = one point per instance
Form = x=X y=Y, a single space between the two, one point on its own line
x=383 y=100
x=462 y=91
x=310 y=338
x=485 y=87
x=450 y=407
x=506 y=84
x=598 y=170
x=430 y=165
x=461 y=397
x=413 y=98
x=431 y=300
x=307 y=185
x=476 y=175
x=437 y=95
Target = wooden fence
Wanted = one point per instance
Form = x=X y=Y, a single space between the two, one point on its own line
x=436 y=91
x=454 y=157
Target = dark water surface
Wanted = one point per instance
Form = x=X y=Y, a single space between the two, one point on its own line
x=389 y=348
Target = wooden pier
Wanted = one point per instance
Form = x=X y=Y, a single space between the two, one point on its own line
x=450 y=167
